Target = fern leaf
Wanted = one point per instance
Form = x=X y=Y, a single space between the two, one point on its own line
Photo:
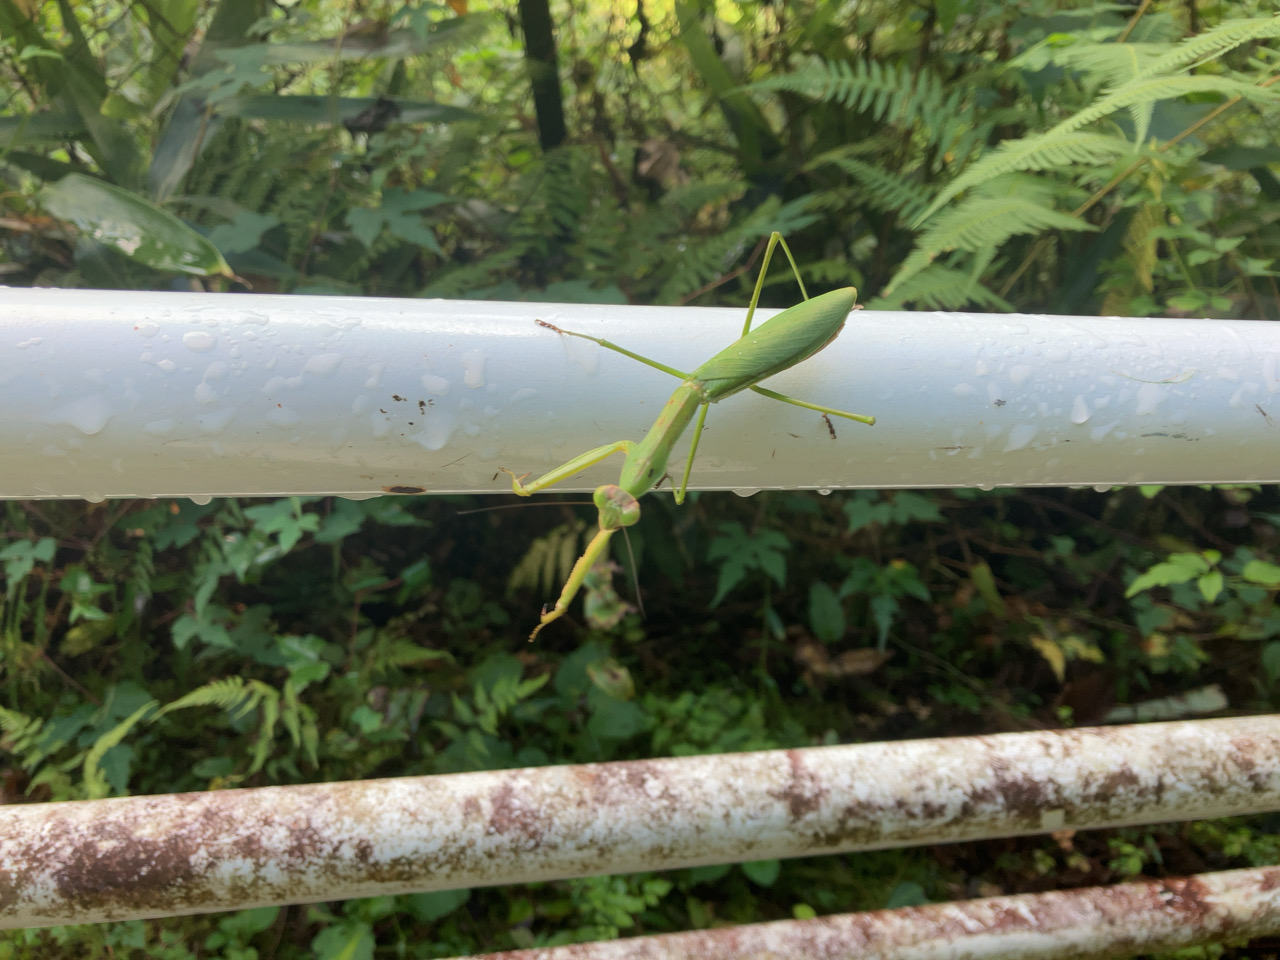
x=95 y=781
x=266 y=726
x=1109 y=64
x=542 y=565
x=1213 y=44
x=405 y=653
x=891 y=93
x=1066 y=143
x=1139 y=96
x=884 y=189
x=985 y=222
x=227 y=694
x=21 y=732
x=938 y=287
x=869 y=85
x=290 y=716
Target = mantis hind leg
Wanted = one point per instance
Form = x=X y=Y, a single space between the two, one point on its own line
x=825 y=411
x=693 y=449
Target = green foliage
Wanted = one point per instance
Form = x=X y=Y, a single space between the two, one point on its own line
x=1096 y=159
x=1235 y=597
x=315 y=670
x=740 y=552
x=329 y=156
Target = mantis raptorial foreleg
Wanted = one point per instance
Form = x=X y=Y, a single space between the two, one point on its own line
x=781 y=342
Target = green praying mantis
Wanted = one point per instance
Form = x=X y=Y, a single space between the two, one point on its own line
x=780 y=343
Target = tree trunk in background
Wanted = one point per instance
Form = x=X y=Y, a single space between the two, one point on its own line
x=540 y=53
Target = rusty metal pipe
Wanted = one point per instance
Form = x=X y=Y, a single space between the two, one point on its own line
x=135 y=857
x=1119 y=921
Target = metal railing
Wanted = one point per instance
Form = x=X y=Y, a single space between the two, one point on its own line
x=132 y=857
x=136 y=394
x=108 y=394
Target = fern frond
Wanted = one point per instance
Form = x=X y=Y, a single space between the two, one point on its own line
x=883 y=189
x=548 y=560
x=984 y=222
x=405 y=653
x=890 y=93
x=1066 y=143
x=95 y=781
x=1213 y=44
x=266 y=726
x=300 y=721
x=700 y=260
x=1055 y=148
x=20 y=731
x=1109 y=64
x=227 y=694
x=942 y=288
x=864 y=85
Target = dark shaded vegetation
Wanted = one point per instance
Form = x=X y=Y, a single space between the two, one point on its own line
x=1093 y=160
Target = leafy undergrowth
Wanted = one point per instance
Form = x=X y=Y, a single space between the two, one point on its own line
x=154 y=647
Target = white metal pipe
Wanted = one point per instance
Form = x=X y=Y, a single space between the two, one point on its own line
x=87 y=861
x=1119 y=921
x=120 y=394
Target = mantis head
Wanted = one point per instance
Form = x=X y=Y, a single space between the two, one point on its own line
x=617 y=508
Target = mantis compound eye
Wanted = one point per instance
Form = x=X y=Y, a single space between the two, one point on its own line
x=617 y=508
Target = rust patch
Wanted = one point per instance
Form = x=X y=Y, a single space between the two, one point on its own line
x=804 y=791
x=111 y=865
x=1020 y=794
x=1011 y=790
x=1123 y=779
x=510 y=815
x=1186 y=896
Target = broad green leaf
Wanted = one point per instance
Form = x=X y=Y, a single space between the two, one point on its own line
x=1179 y=568
x=133 y=225
x=244 y=232
x=611 y=677
x=429 y=907
x=756 y=141
x=20 y=558
x=1260 y=571
x=762 y=872
x=348 y=940
x=1210 y=585
x=43 y=125
x=826 y=614
x=613 y=719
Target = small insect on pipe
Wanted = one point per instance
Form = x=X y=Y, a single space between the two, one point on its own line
x=780 y=343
